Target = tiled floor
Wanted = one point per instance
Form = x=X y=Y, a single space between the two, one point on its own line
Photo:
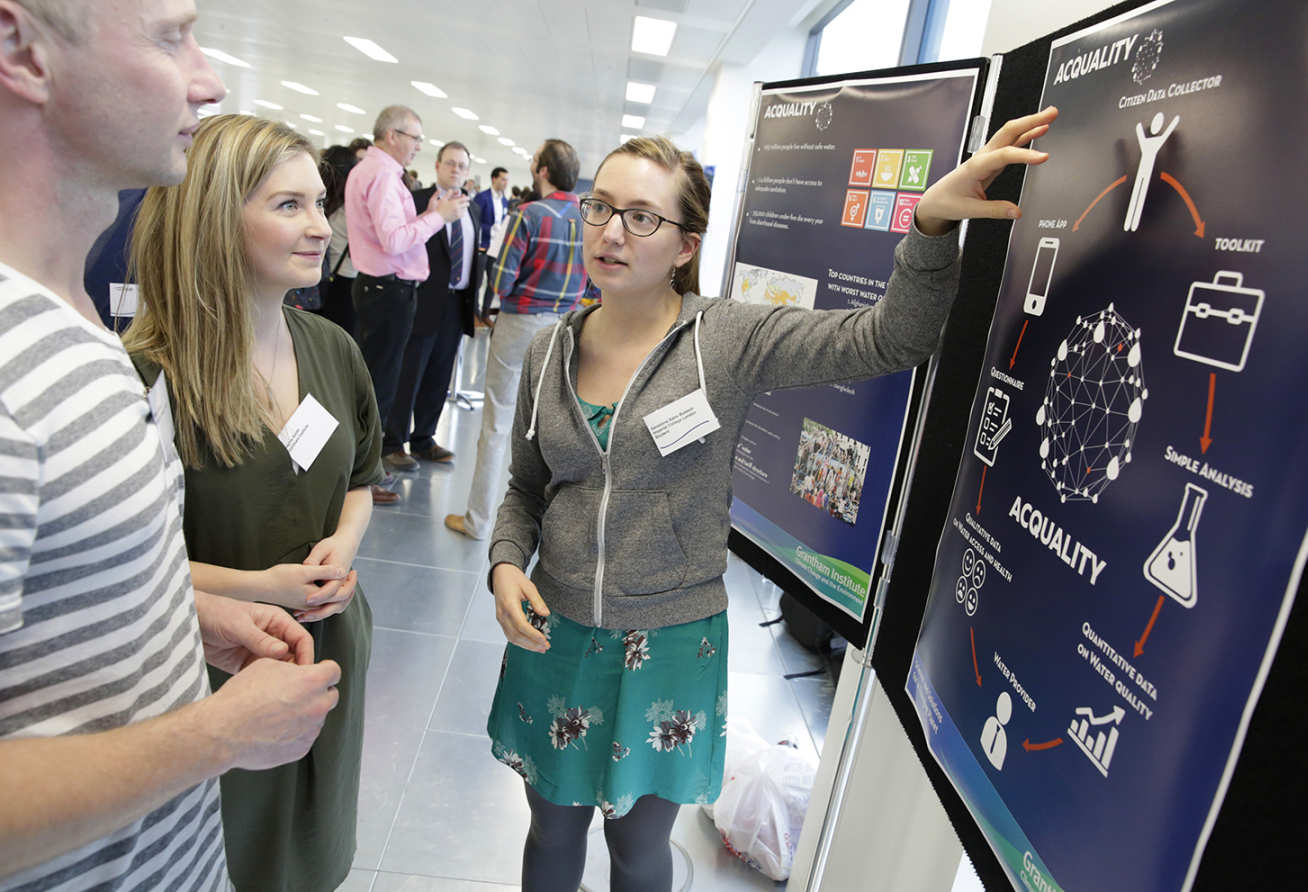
x=437 y=813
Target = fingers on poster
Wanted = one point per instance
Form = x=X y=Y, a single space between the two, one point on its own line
x=888 y=185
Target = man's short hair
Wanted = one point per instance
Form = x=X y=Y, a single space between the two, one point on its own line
x=560 y=160
x=60 y=17
x=392 y=117
x=452 y=144
x=497 y=171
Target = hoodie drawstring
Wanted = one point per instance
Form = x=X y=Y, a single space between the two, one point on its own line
x=540 y=382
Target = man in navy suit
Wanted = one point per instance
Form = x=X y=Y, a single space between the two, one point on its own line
x=445 y=310
x=493 y=203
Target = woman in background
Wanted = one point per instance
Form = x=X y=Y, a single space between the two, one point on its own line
x=337 y=305
x=213 y=257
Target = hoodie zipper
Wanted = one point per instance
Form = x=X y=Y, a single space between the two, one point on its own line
x=598 y=600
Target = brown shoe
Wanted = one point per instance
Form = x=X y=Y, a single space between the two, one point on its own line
x=434 y=453
x=383 y=496
x=455 y=522
x=398 y=461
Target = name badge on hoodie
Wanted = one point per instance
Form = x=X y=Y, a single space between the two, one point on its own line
x=306 y=432
x=682 y=421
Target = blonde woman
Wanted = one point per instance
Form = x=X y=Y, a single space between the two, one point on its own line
x=615 y=693
x=214 y=257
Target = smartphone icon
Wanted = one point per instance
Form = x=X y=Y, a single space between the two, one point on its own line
x=1042 y=272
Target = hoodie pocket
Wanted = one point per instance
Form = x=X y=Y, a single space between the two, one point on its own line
x=567 y=536
x=642 y=555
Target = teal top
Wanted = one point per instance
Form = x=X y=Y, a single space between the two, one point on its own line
x=598 y=417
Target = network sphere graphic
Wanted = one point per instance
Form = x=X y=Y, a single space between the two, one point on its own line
x=1093 y=402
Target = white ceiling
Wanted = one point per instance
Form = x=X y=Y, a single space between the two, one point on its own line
x=531 y=68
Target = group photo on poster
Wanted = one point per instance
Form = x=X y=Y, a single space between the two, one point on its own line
x=1128 y=529
x=836 y=170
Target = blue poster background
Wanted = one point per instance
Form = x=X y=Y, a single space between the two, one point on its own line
x=1168 y=345
x=797 y=194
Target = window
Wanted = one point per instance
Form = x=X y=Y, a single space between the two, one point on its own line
x=861 y=35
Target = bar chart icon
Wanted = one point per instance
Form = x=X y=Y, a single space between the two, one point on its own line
x=1098 y=742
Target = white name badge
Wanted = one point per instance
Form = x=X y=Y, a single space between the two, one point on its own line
x=161 y=410
x=306 y=432
x=681 y=422
x=123 y=299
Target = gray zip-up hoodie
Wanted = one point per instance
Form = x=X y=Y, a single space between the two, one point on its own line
x=632 y=540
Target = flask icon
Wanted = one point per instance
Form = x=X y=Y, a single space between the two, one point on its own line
x=1171 y=567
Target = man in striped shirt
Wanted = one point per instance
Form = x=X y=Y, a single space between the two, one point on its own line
x=538 y=276
x=110 y=741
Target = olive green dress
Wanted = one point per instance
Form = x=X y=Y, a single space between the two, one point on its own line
x=293 y=827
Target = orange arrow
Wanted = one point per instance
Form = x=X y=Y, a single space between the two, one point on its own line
x=1047 y=745
x=1189 y=202
x=1025 y=323
x=982 y=489
x=1139 y=645
x=1117 y=182
x=975 y=667
x=1207 y=440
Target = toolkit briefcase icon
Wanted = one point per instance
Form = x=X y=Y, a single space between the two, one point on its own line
x=1218 y=324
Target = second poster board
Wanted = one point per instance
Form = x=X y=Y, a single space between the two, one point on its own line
x=836 y=169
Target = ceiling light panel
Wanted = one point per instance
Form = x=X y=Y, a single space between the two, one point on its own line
x=220 y=56
x=505 y=141
x=464 y=113
x=299 y=88
x=370 y=49
x=652 y=36
x=488 y=130
x=312 y=119
x=638 y=92
x=344 y=129
x=633 y=122
x=264 y=103
x=430 y=89
x=352 y=109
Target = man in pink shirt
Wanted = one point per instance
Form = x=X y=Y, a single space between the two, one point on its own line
x=387 y=244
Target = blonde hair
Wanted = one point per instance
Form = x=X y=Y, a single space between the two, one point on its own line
x=693 y=192
x=188 y=257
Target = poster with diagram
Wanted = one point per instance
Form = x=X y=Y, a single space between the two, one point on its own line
x=1128 y=526
x=837 y=167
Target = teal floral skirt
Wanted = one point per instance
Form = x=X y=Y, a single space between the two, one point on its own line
x=605 y=717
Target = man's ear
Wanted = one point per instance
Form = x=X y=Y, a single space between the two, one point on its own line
x=24 y=54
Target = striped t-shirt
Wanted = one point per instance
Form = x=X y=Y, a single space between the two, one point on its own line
x=97 y=615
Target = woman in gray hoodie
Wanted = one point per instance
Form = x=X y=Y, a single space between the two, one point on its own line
x=623 y=443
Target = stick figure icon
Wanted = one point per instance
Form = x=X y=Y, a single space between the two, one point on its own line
x=1149 y=148
x=993 y=739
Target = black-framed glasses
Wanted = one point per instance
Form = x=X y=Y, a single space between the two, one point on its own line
x=416 y=138
x=638 y=221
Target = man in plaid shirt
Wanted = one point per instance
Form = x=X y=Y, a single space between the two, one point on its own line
x=538 y=276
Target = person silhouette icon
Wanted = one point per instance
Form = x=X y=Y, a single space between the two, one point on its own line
x=993 y=738
x=1149 y=148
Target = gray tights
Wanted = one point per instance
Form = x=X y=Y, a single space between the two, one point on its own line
x=640 y=854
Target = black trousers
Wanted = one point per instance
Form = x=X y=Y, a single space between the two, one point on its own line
x=383 y=318
x=425 y=372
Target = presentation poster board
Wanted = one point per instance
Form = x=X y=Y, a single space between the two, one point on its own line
x=1128 y=527
x=837 y=168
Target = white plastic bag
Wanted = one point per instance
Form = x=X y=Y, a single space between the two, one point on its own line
x=764 y=797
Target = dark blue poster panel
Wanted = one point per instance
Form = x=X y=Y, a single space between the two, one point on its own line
x=1127 y=531
x=836 y=172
